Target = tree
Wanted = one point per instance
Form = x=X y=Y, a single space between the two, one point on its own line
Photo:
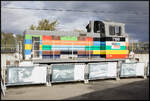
x=32 y=27
x=7 y=39
x=44 y=24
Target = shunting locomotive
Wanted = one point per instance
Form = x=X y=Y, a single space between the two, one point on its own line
x=103 y=39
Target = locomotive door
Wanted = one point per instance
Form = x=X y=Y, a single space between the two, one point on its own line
x=36 y=47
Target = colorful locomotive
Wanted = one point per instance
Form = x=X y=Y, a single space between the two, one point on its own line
x=103 y=39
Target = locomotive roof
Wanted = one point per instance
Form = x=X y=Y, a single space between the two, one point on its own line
x=61 y=33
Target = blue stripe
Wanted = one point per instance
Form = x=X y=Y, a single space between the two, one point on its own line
x=40 y=42
x=50 y=56
x=102 y=43
x=28 y=41
x=27 y=52
x=95 y=54
x=40 y=52
x=96 y=43
x=115 y=43
x=60 y=49
x=76 y=49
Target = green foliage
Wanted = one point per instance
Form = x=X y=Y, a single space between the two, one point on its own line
x=8 y=40
x=32 y=27
x=44 y=24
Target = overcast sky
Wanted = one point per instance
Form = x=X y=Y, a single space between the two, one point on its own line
x=135 y=14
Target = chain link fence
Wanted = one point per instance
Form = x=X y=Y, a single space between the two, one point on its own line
x=139 y=47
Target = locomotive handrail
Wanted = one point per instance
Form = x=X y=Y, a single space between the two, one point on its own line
x=53 y=42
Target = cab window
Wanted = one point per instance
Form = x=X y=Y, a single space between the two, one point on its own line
x=115 y=30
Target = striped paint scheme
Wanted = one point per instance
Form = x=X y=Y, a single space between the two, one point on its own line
x=88 y=39
x=116 y=56
x=104 y=48
x=28 y=41
x=40 y=47
x=27 y=52
x=97 y=45
x=50 y=56
x=50 y=52
x=69 y=38
x=28 y=46
x=110 y=51
x=117 y=43
x=46 y=47
x=68 y=49
x=99 y=51
x=61 y=42
x=28 y=36
x=67 y=46
x=46 y=37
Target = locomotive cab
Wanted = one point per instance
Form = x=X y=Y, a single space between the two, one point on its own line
x=106 y=28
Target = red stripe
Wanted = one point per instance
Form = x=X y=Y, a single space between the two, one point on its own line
x=116 y=56
x=89 y=39
x=45 y=37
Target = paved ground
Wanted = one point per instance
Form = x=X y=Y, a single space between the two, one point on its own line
x=129 y=88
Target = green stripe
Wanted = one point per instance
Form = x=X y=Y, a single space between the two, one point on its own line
x=71 y=38
x=121 y=48
x=46 y=47
x=103 y=48
x=27 y=36
x=92 y=47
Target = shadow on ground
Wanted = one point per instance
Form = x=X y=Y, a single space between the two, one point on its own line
x=138 y=90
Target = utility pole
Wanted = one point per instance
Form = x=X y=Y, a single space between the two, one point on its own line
x=132 y=45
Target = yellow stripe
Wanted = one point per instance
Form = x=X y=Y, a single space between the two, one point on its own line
x=110 y=51
x=99 y=51
x=117 y=51
x=28 y=46
x=40 y=47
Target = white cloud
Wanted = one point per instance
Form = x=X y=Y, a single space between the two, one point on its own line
x=16 y=21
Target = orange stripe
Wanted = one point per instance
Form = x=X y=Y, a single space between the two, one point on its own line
x=61 y=42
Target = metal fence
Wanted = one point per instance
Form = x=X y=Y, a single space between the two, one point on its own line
x=8 y=49
x=26 y=75
x=11 y=48
x=72 y=72
x=139 y=48
x=72 y=48
x=132 y=69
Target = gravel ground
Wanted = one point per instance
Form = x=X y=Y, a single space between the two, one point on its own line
x=123 y=89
